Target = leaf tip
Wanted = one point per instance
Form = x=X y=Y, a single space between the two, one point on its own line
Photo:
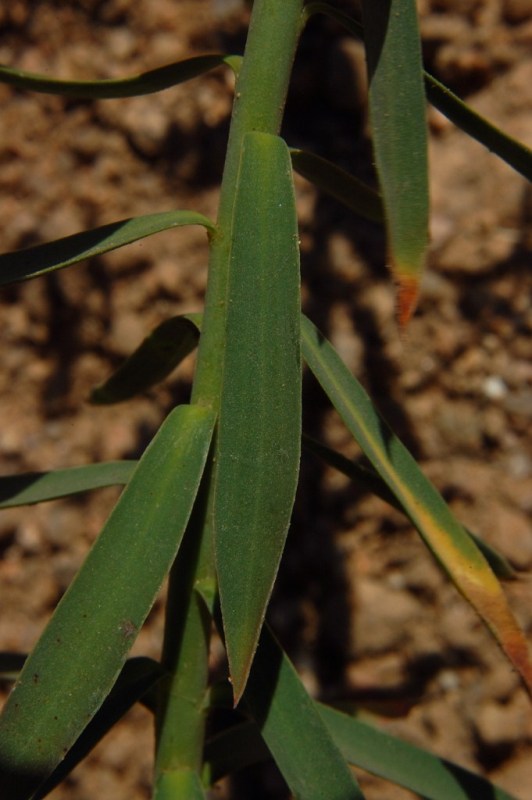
x=238 y=678
x=407 y=298
x=487 y=597
x=518 y=652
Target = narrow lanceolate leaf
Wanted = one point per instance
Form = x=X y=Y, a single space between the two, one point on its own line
x=452 y=546
x=155 y=358
x=338 y=184
x=81 y=652
x=397 y=114
x=515 y=153
x=258 y=447
x=365 y=746
x=34 y=261
x=405 y=764
x=37 y=487
x=370 y=481
x=138 y=676
x=155 y=80
x=293 y=730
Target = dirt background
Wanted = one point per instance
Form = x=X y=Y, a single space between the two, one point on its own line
x=365 y=613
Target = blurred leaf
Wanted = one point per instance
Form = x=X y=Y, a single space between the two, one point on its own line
x=399 y=133
x=293 y=730
x=20 y=265
x=405 y=764
x=453 y=548
x=81 y=652
x=514 y=153
x=138 y=676
x=258 y=448
x=37 y=487
x=155 y=80
x=339 y=184
x=369 y=481
x=154 y=359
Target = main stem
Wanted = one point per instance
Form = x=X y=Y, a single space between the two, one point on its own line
x=260 y=97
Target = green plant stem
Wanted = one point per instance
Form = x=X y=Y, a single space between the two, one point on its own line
x=259 y=104
x=181 y=708
x=260 y=95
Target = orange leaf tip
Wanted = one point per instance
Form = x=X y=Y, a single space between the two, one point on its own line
x=407 y=297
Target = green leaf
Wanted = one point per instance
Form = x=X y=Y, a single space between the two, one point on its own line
x=293 y=730
x=36 y=487
x=339 y=184
x=364 y=746
x=369 y=481
x=405 y=764
x=138 y=676
x=81 y=652
x=155 y=80
x=258 y=448
x=157 y=356
x=516 y=154
x=453 y=548
x=399 y=131
x=34 y=261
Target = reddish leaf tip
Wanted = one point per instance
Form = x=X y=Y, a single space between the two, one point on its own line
x=516 y=649
x=407 y=297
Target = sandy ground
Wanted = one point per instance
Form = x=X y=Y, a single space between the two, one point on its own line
x=366 y=615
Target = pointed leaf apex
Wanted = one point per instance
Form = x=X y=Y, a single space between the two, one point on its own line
x=239 y=674
x=407 y=298
x=515 y=646
x=240 y=661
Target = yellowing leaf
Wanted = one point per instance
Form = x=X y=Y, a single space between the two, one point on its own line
x=451 y=545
